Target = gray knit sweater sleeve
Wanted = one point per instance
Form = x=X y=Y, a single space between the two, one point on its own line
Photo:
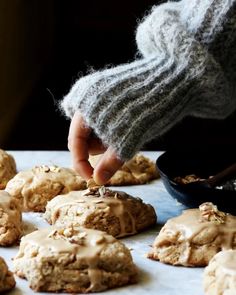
x=185 y=69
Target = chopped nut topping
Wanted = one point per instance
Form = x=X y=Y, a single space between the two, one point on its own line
x=46 y=169
x=98 y=240
x=209 y=212
x=55 y=169
x=69 y=234
x=96 y=191
x=97 y=201
x=82 y=235
x=102 y=191
x=187 y=179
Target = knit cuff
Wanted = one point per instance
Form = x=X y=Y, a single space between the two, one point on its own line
x=131 y=104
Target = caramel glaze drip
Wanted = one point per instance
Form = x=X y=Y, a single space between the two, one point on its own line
x=85 y=244
x=101 y=198
x=64 y=179
x=193 y=221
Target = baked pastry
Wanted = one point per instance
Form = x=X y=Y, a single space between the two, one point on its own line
x=194 y=237
x=115 y=212
x=7 y=281
x=220 y=275
x=35 y=187
x=10 y=220
x=138 y=170
x=7 y=168
x=73 y=259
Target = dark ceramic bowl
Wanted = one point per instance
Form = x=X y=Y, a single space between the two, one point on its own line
x=202 y=164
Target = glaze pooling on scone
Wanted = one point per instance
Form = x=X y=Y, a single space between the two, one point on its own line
x=115 y=212
x=35 y=187
x=7 y=281
x=10 y=219
x=194 y=237
x=7 y=168
x=220 y=275
x=73 y=259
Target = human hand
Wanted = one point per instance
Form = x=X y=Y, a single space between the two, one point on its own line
x=82 y=143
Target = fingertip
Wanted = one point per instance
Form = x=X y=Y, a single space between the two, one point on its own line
x=107 y=166
x=84 y=169
x=101 y=177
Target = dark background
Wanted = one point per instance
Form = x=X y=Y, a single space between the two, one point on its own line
x=46 y=45
x=83 y=35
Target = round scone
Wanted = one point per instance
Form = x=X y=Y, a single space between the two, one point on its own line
x=35 y=187
x=220 y=275
x=138 y=170
x=7 y=281
x=114 y=212
x=10 y=220
x=7 y=168
x=73 y=259
x=194 y=237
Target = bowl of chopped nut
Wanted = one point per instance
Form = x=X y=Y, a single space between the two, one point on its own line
x=184 y=175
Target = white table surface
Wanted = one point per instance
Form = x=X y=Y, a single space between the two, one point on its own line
x=155 y=277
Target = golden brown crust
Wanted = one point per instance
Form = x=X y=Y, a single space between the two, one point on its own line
x=117 y=213
x=7 y=281
x=35 y=187
x=7 y=168
x=10 y=220
x=194 y=237
x=74 y=259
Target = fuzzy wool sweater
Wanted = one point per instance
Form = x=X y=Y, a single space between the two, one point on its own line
x=187 y=68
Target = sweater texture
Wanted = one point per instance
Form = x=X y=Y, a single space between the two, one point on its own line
x=187 y=68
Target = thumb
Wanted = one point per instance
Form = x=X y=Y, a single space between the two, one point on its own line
x=108 y=164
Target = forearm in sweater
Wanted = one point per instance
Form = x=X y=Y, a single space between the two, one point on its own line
x=131 y=104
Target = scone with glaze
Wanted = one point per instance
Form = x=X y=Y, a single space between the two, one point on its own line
x=73 y=259
x=220 y=275
x=114 y=212
x=7 y=281
x=194 y=237
x=7 y=168
x=138 y=170
x=10 y=220
x=35 y=187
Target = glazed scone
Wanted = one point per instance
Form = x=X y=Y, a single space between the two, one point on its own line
x=220 y=275
x=7 y=168
x=138 y=170
x=7 y=281
x=194 y=237
x=35 y=187
x=10 y=220
x=73 y=259
x=114 y=212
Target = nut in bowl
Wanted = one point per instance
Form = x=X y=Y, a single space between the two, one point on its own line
x=184 y=173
